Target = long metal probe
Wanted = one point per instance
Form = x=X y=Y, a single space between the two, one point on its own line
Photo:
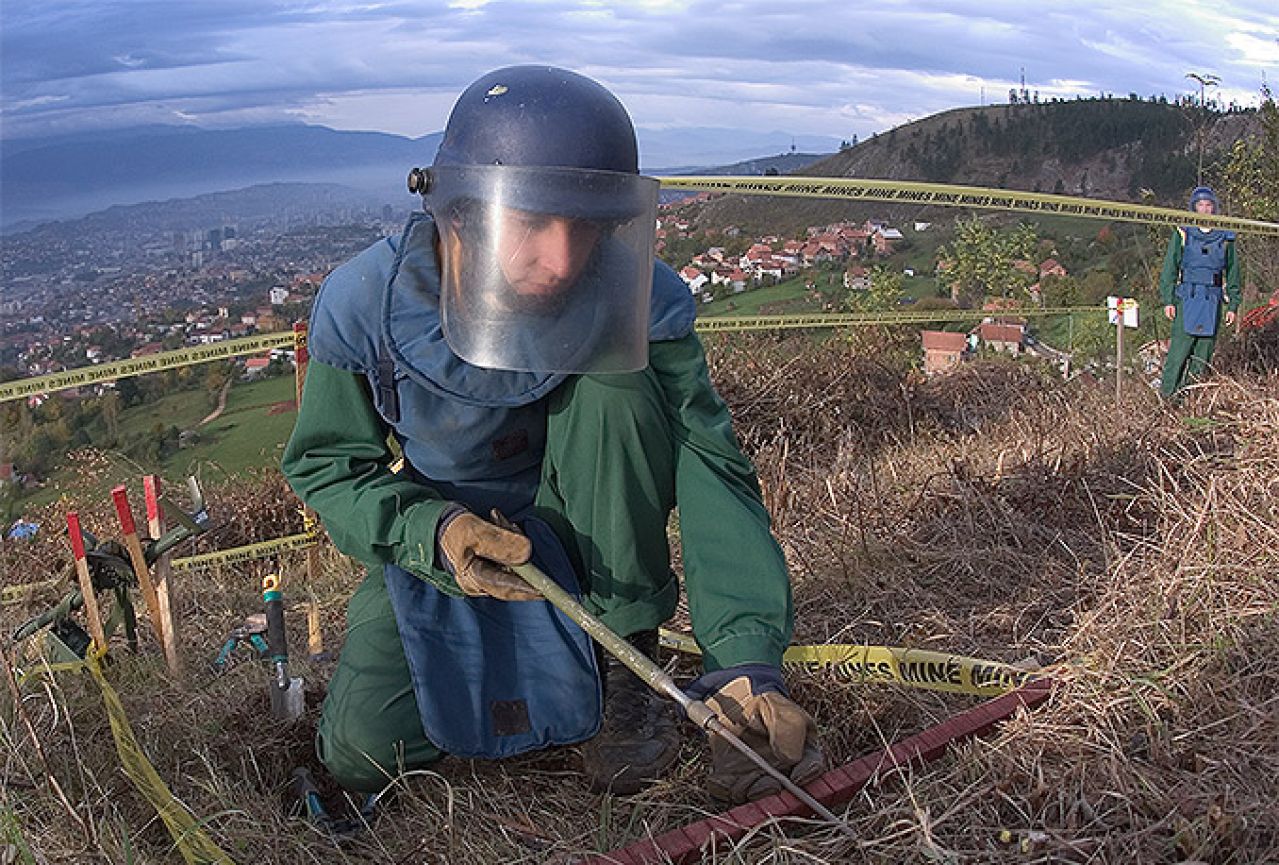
x=656 y=678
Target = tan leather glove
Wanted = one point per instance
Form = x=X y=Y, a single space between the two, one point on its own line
x=477 y=553
x=771 y=724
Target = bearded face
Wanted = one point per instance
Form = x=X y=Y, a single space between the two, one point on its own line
x=540 y=256
x=546 y=269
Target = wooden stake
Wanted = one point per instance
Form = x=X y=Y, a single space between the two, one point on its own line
x=92 y=614
x=314 y=636
x=309 y=519
x=139 y=561
x=163 y=576
x=1119 y=351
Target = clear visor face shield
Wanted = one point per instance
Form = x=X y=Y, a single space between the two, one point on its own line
x=545 y=269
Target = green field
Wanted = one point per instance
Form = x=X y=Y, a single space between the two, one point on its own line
x=249 y=434
x=790 y=293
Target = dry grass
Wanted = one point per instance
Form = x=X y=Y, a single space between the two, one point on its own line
x=998 y=513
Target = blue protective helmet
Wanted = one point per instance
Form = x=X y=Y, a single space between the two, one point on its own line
x=539 y=116
x=545 y=225
x=1205 y=193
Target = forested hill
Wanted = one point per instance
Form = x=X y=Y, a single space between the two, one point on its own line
x=1099 y=148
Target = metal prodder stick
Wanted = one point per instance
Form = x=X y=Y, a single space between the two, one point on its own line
x=656 y=678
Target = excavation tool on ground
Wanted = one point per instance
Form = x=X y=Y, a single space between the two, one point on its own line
x=287 y=698
x=656 y=678
x=110 y=570
x=252 y=632
x=339 y=829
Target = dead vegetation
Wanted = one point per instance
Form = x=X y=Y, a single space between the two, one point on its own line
x=998 y=513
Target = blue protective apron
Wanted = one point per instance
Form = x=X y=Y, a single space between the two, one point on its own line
x=498 y=678
x=1203 y=264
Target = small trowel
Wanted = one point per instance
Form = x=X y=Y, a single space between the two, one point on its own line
x=287 y=693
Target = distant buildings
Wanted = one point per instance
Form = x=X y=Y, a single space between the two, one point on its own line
x=943 y=350
x=1008 y=338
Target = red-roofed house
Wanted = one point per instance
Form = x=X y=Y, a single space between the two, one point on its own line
x=857 y=278
x=256 y=366
x=1003 y=337
x=1051 y=267
x=694 y=278
x=943 y=350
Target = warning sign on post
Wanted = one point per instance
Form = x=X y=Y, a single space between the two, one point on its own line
x=1125 y=306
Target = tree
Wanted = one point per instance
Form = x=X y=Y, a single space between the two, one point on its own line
x=1098 y=285
x=111 y=413
x=1249 y=183
x=1059 y=290
x=983 y=260
x=885 y=288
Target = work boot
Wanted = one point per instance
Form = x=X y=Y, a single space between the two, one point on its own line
x=639 y=738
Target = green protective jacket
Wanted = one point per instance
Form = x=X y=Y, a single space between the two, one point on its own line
x=1171 y=273
x=339 y=462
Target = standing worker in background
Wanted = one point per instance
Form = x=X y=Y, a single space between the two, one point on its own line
x=1200 y=278
x=528 y=356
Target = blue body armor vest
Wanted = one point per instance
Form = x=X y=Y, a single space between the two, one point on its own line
x=492 y=678
x=1203 y=267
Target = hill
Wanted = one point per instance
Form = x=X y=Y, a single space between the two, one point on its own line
x=782 y=163
x=1100 y=148
x=74 y=175
x=65 y=176
x=274 y=203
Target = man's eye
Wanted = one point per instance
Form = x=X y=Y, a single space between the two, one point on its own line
x=529 y=221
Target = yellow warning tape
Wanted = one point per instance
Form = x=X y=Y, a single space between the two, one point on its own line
x=196 y=847
x=915 y=668
x=260 y=550
x=911 y=192
x=857 y=319
x=138 y=365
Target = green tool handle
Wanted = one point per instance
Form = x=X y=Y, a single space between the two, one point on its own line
x=656 y=678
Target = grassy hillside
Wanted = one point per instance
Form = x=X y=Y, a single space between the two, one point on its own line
x=248 y=435
x=997 y=513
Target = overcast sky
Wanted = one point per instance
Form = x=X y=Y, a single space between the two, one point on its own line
x=834 y=68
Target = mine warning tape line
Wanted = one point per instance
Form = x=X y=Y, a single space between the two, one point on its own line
x=911 y=192
x=719 y=323
x=195 y=847
x=140 y=365
x=915 y=668
x=105 y=372
x=260 y=550
x=694 y=841
x=14 y=594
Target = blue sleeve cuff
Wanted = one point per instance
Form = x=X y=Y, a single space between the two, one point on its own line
x=763 y=678
x=451 y=512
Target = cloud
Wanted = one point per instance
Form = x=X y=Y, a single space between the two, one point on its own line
x=825 y=67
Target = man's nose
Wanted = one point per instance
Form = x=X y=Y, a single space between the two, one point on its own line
x=556 y=246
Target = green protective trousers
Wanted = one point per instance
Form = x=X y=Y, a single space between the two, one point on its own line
x=607 y=488
x=1188 y=356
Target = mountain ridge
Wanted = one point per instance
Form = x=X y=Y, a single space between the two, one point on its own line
x=1107 y=149
x=71 y=175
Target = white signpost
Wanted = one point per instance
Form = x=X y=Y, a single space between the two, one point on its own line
x=1122 y=312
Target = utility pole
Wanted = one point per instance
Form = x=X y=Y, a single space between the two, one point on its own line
x=1205 y=80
